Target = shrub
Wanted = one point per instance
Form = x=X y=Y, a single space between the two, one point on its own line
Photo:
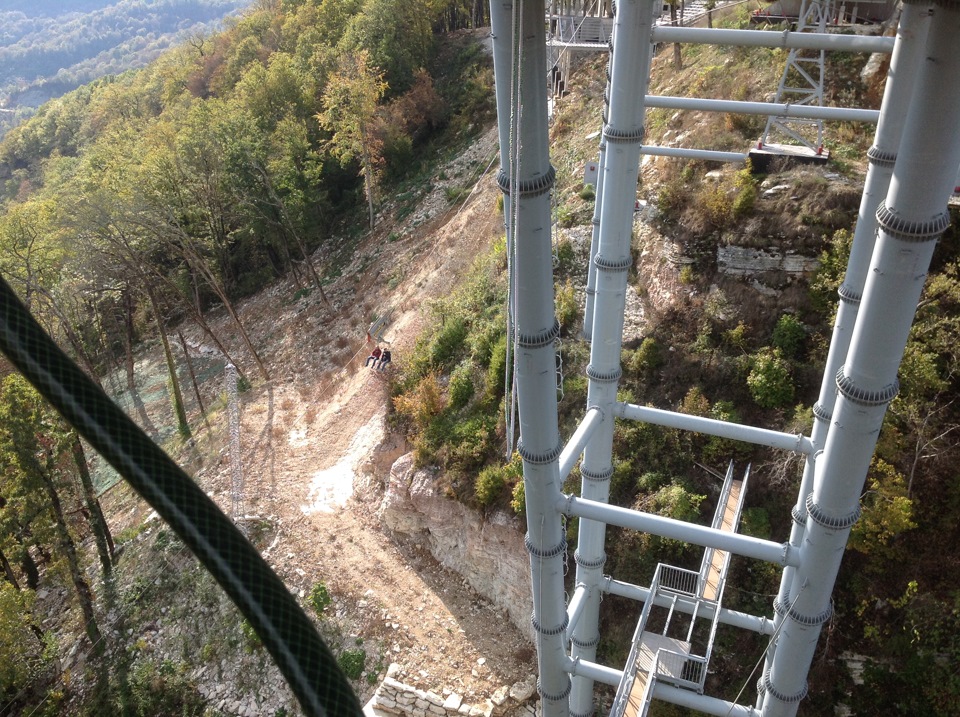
x=496 y=369
x=716 y=207
x=789 y=335
x=448 y=342
x=320 y=598
x=566 y=302
x=769 y=379
x=489 y=484
x=352 y=663
x=519 y=499
x=588 y=192
x=20 y=653
x=422 y=403
x=461 y=387
x=647 y=358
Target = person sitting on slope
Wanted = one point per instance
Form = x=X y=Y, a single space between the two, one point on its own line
x=374 y=356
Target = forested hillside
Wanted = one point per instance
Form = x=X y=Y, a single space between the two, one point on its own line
x=140 y=200
x=48 y=48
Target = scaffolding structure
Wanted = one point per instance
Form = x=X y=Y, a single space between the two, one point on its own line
x=902 y=214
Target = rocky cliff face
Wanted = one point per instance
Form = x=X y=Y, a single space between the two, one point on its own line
x=487 y=550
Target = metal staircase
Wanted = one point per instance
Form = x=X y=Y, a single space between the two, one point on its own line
x=670 y=655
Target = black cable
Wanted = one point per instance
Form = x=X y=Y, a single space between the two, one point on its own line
x=306 y=662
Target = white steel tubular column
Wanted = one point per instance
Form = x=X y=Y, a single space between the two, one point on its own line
x=623 y=135
x=528 y=186
x=910 y=221
x=904 y=64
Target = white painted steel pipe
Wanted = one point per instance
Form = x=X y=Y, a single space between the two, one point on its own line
x=528 y=187
x=623 y=135
x=901 y=77
x=748 y=546
x=734 y=618
x=705 y=154
x=594 y=671
x=797 y=443
x=591 y=289
x=574 y=448
x=910 y=220
x=786 y=40
x=575 y=608
x=701 y=703
x=768 y=109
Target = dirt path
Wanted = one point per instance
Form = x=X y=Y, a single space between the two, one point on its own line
x=316 y=448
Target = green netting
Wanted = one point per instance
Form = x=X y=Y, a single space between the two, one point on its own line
x=287 y=633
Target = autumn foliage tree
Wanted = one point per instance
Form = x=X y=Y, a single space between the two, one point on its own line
x=350 y=104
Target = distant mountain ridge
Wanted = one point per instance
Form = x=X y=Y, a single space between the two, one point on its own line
x=48 y=47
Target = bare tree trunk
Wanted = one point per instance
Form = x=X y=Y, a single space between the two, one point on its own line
x=128 y=338
x=8 y=571
x=98 y=523
x=183 y=426
x=69 y=548
x=193 y=376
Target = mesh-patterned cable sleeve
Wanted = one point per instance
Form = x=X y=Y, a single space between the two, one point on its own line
x=306 y=662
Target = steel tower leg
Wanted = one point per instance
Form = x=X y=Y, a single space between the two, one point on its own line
x=521 y=26
x=910 y=221
x=597 y=204
x=623 y=135
x=904 y=64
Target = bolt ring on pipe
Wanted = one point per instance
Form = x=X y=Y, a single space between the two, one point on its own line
x=586 y=644
x=555 y=698
x=529 y=187
x=848 y=295
x=541 y=338
x=611 y=134
x=539 y=458
x=881 y=157
x=911 y=231
x=799 y=516
x=849 y=390
x=596 y=477
x=604 y=264
x=829 y=522
x=810 y=620
x=559 y=629
x=590 y=564
x=604 y=376
x=821 y=413
x=558 y=549
x=790 y=699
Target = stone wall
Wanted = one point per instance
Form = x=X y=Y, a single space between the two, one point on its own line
x=487 y=551
x=394 y=697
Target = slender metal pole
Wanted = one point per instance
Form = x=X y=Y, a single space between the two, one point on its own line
x=734 y=618
x=600 y=512
x=911 y=35
x=910 y=221
x=770 y=109
x=623 y=134
x=591 y=290
x=574 y=448
x=786 y=40
x=528 y=186
x=714 y=427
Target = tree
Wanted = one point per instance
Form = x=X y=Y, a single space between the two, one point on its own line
x=769 y=380
x=349 y=106
x=21 y=652
x=30 y=457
